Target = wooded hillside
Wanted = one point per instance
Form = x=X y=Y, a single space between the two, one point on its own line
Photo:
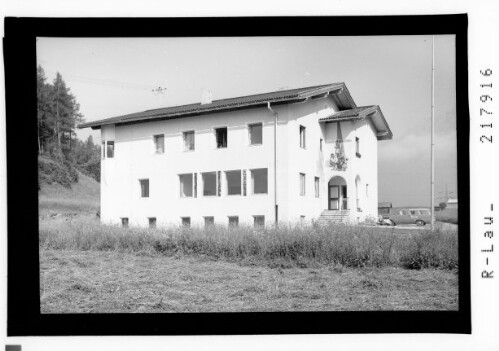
x=60 y=152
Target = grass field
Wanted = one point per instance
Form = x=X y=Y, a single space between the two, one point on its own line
x=82 y=198
x=448 y=215
x=99 y=281
x=89 y=267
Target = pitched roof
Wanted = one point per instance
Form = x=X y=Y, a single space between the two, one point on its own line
x=282 y=96
x=373 y=112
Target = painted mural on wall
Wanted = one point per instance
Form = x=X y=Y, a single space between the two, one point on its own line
x=338 y=161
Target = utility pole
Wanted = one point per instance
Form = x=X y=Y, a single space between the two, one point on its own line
x=432 y=132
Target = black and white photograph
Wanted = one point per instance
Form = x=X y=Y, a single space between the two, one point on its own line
x=247 y=174
x=255 y=181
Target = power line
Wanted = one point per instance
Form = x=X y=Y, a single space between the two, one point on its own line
x=114 y=83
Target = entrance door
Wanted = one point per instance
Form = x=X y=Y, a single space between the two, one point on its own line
x=344 y=198
x=334 y=197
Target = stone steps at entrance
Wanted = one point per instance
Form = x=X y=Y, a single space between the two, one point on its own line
x=332 y=216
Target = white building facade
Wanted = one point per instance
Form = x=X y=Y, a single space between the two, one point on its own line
x=286 y=156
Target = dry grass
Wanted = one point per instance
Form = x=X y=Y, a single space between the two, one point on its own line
x=83 y=197
x=286 y=246
x=89 y=267
x=448 y=215
x=112 y=282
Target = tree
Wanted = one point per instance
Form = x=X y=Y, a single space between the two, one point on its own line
x=43 y=108
x=58 y=114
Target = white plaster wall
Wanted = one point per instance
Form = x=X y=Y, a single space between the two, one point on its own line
x=135 y=159
x=365 y=167
x=308 y=160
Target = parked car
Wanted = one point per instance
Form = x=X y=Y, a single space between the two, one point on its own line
x=406 y=215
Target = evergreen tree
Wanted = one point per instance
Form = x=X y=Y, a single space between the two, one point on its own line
x=58 y=114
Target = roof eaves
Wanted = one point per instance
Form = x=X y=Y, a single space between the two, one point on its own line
x=218 y=105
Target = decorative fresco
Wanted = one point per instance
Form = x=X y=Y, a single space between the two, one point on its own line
x=338 y=161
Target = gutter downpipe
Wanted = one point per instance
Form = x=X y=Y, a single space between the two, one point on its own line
x=275 y=162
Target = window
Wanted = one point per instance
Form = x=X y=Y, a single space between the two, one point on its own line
x=209 y=221
x=124 y=222
x=255 y=134
x=144 y=187
x=221 y=137
x=233 y=182
x=302 y=220
x=233 y=221
x=259 y=221
x=103 y=150
x=406 y=213
x=367 y=190
x=259 y=181
x=302 y=184
x=320 y=144
x=152 y=222
x=159 y=143
x=110 y=149
x=357 y=147
x=189 y=141
x=209 y=183
x=414 y=212
x=317 y=182
x=302 y=137
x=186 y=221
x=185 y=185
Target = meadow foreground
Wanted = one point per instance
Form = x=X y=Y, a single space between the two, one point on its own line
x=117 y=282
x=87 y=267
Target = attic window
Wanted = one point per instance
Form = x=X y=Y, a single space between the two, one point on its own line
x=159 y=143
x=221 y=137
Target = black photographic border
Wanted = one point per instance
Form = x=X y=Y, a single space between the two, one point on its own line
x=23 y=286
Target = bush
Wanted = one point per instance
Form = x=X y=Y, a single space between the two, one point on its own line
x=435 y=249
x=50 y=171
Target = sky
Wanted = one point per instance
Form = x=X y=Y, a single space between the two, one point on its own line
x=115 y=76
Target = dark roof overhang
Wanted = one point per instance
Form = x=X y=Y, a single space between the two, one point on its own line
x=338 y=91
x=373 y=112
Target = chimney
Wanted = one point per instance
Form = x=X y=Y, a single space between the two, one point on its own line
x=206 y=97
